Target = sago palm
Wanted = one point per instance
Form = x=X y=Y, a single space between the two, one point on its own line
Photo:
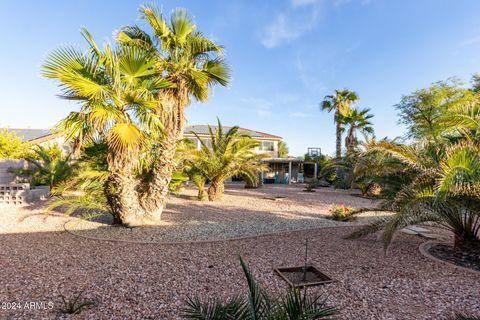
x=230 y=153
x=339 y=103
x=48 y=166
x=192 y=63
x=118 y=90
x=259 y=304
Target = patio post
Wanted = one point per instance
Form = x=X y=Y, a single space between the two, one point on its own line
x=315 y=170
x=289 y=172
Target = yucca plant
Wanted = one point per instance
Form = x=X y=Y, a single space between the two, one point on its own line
x=231 y=152
x=259 y=304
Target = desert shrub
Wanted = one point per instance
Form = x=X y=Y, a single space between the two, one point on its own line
x=341 y=184
x=311 y=186
x=342 y=212
x=12 y=146
x=331 y=177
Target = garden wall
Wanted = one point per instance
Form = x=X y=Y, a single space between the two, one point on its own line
x=5 y=176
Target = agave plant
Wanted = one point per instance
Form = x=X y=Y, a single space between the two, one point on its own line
x=230 y=153
x=259 y=304
x=445 y=189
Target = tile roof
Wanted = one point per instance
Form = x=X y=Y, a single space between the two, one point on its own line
x=30 y=134
x=202 y=129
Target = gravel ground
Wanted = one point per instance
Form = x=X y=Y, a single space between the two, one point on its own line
x=40 y=262
x=242 y=212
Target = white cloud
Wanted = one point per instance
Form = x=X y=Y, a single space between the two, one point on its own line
x=300 y=18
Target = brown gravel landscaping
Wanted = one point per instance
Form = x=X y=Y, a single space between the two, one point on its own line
x=40 y=262
x=242 y=212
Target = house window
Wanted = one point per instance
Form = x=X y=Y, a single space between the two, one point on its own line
x=266 y=146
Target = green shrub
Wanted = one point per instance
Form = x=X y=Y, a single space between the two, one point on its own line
x=341 y=184
x=342 y=212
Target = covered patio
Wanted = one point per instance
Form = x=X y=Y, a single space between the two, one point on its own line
x=283 y=171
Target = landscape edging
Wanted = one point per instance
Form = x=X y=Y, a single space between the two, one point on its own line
x=423 y=247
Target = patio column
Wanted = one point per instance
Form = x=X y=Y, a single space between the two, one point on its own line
x=315 y=171
x=289 y=172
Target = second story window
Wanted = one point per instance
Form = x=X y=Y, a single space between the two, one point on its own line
x=266 y=146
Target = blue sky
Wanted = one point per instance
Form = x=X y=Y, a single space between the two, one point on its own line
x=285 y=56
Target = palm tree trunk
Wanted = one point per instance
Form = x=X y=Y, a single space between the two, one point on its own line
x=171 y=112
x=121 y=192
x=338 y=147
x=201 y=194
x=216 y=189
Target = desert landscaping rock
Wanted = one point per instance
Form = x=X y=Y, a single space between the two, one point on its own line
x=241 y=213
x=40 y=262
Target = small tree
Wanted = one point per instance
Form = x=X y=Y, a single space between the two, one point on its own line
x=231 y=153
x=282 y=149
x=12 y=146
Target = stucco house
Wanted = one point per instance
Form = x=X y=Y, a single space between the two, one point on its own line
x=281 y=170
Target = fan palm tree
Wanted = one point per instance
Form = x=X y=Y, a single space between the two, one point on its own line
x=445 y=188
x=340 y=104
x=260 y=305
x=193 y=64
x=356 y=120
x=118 y=93
x=230 y=153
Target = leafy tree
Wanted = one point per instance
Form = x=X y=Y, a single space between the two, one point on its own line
x=193 y=64
x=423 y=110
x=231 y=153
x=356 y=120
x=282 y=149
x=339 y=103
x=259 y=305
x=12 y=146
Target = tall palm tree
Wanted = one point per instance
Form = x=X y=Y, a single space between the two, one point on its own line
x=340 y=104
x=193 y=64
x=230 y=153
x=356 y=120
x=118 y=93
